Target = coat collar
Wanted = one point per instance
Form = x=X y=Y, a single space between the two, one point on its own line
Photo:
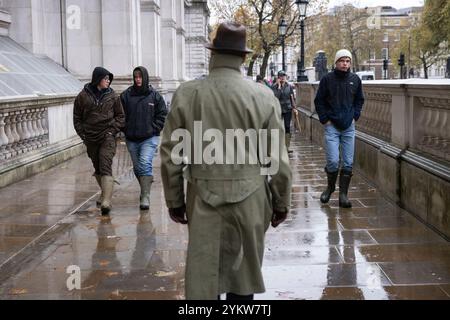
x=219 y=60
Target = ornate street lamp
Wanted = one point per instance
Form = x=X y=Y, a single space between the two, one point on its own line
x=302 y=6
x=282 y=29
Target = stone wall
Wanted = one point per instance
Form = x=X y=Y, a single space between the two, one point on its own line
x=116 y=34
x=402 y=145
x=35 y=134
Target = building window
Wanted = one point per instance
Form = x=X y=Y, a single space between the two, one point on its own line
x=385 y=53
x=386 y=36
x=385 y=22
x=397 y=22
x=397 y=36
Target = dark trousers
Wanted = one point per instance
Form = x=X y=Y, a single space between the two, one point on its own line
x=287 y=117
x=102 y=154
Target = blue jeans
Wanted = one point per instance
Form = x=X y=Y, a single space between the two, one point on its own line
x=142 y=155
x=345 y=139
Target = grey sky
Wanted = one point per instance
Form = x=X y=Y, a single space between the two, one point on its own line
x=374 y=3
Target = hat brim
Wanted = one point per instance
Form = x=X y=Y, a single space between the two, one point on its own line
x=210 y=46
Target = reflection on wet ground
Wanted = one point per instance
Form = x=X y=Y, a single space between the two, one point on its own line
x=374 y=250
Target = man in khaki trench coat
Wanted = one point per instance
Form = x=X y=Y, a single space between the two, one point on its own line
x=229 y=203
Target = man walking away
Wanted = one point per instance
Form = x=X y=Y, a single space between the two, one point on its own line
x=229 y=207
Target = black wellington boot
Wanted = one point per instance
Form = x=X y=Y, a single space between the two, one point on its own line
x=344 y=182
x=332 y=177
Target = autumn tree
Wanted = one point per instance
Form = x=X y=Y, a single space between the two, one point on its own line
x=436 y=16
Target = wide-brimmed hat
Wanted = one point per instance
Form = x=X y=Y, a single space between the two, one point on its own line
x=231 y=37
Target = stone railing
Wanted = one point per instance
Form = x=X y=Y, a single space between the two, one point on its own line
x=408 y=114
x=36 y=132
x=402 y=145
x=432 y=123
x=22 y=130
x=376 y=118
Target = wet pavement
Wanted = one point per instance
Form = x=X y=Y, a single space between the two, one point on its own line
x=49 y=222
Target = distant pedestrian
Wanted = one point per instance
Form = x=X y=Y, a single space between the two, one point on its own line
x=339 y=102
x=285 y=94
x=97 y=117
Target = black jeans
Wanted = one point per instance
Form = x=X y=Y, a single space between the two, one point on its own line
x=287 y=117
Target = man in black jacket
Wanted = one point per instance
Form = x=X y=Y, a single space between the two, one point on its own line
x=339 y=102
x=145 y=113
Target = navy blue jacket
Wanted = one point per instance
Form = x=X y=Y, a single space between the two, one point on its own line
x=339 y=99
x=144 y=115
x=145 y=110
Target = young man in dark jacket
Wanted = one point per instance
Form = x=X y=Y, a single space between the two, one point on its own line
x=97 y=117
x=145 y=112
x=339 y=102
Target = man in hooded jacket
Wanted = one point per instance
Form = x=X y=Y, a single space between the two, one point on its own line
x=97 y=117
x=145 y=114
x=339 y=102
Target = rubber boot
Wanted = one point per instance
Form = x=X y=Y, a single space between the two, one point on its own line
x=146 y=184
x=344 y=182
x=326 y=195
x=99 y=181
x=107 y=189
x=287 y=140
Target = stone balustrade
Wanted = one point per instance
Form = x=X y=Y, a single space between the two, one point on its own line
x=36 y=132
x=433 y=127
x=406 y=114
x=22 y=131
x=402 y=145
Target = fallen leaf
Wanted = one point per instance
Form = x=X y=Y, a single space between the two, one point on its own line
x=35 y=214
x=165 y=274
x=18 y=291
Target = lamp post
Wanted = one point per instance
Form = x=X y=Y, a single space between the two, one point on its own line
x=386 y=60
x=282 y=28
x=302 y=6
x=272 y=68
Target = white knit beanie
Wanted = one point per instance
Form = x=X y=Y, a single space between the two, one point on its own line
x=342 y=53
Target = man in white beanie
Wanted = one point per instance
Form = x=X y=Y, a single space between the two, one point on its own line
x=339 y=102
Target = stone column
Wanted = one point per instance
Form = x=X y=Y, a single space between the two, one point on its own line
x=181 y=40
x=36 y=25
x=151 y=39
x=169 y=45
x=197 y=56
x=121 y=38
x=83 y=37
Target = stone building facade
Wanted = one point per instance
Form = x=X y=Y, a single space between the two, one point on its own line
x=166 y=36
